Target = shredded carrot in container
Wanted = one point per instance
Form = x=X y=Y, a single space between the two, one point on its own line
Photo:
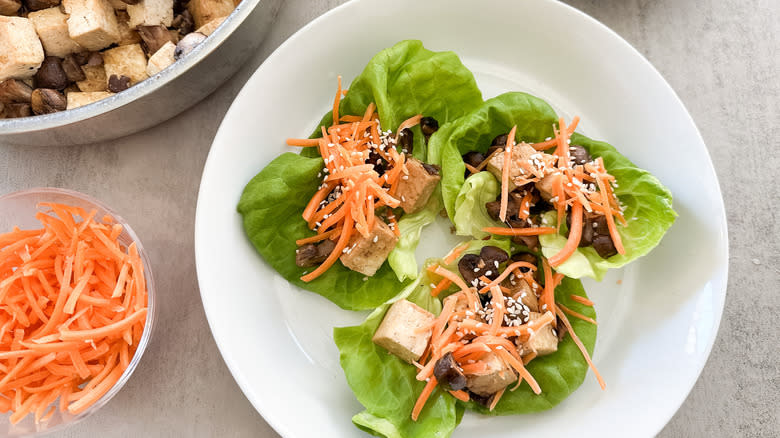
x=70 y=293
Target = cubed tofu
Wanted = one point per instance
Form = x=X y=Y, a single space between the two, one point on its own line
x=520 y=152
x=127 y=61
x=398 y=332
x=77 y=99
x=545 y=186
x=96 y=79
x=521 y=291
x=151 y=13
x=496 y=377
x=209 y=28
x=92 y=23
x=52 y=28
x=366 y=254
x=21 y=53
x=416 y=188
x=161 y=59
x=204 y=11
x=544 y=341
x=127 y=36
x=9 y=7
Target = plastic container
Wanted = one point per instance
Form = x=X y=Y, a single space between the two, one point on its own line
x=19 y=209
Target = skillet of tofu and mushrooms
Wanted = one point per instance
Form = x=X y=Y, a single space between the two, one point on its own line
x=63 y=54
x=369 y=180
x=499 y=320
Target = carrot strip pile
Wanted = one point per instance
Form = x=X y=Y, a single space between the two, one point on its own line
x=351 y=188
x=73 y=304
x=579 y=188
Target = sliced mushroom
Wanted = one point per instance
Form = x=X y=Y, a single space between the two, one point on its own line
x=154 y=37
x=406 y=141
x=579 y=154
x=16 y=110
x=184 y=22
x=313 y=254
x=72 y=69
x=432 y=169
x=51 y=74
x=37 y=5
x=428 y=125
x=15 y=91
x=46 y=101
x=449 y=374
x=119 y=83
x=493 y=256
x=188 y=44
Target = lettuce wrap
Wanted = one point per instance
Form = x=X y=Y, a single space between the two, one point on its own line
x=647 y=203
x=386 y=386
x=402 y=81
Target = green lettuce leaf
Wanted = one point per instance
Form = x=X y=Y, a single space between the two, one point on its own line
x=648 y=204
x=401 y=258
x=385 y=385
x=558 y=374
x=475 y=132
x=470 y=214
x=647 y=209
x=388 y=389
x=402 y=81
x=271 y=207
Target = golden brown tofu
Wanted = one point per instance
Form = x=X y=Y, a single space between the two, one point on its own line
x=521 y=291
x=544 y=341
x=496 y=377
x=545 y=186
x=398 y=332
x=416 y=188
x=520 y=152
x=366 y=254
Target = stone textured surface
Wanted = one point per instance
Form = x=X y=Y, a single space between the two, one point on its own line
x=719 y=55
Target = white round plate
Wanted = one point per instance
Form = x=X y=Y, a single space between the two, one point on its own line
x=658 y=317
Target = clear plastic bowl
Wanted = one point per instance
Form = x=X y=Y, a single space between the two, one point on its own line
x=18 y=209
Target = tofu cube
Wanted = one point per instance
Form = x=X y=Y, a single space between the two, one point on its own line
x=52 y=28
x=497 y=376
x=77 y=99
x=162 y=59
x=366 y=254
x=129 y=61
x=544 y=341
x=520 y=152
x=96 y=79
x=398 y=331
x=151 y=13
x=209 y=28
x=127 y=36
x=416 y=188
x=545 y=187
x=21 y=53
x=204 y=11
x=521 y=291
x=92 y=23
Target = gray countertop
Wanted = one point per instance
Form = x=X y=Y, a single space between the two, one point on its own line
x=721 y=56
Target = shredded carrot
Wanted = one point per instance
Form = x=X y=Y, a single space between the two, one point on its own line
x=71 y=290
x=460 y=395
x=408 y=123
x=576 y=315
x=455 y=253
x=496 y=398
x=531 y=231
x=303 y=142
x=442 y=285
x=510 y=141
x=426 y=392
x=575 y=233
x=547 y=300
x=582 y=348
x=581 y=300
